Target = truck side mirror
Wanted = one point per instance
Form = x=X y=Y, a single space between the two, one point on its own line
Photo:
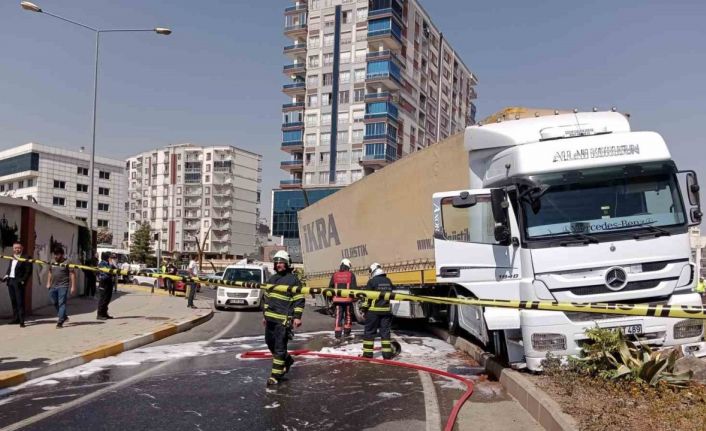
x=692 y=189
x=696 y=215
x=498 y=203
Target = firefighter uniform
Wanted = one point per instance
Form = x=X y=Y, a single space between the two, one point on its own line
x=378 y=316
x=343 y=279
x=279 y=310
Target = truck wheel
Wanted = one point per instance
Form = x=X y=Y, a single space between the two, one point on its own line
x=330 y=306
x=452 y=316
x=497 y=346
x=357 y=313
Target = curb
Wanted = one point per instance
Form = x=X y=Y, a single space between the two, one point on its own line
x=538 y=404
x=13 y=378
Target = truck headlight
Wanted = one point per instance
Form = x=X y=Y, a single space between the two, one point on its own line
x=548 y=342
x=688 y=328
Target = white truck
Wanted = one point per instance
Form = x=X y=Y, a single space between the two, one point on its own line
x=571 y=207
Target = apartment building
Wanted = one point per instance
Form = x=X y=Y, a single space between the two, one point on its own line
x=189 y=194
x=371 y=81
x=58 y=179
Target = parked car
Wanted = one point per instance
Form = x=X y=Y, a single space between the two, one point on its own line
x=215 y=277
x=236 y=297
x=140 y=279
x=181 y=286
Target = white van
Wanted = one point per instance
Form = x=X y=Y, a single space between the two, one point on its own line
x=238 y=297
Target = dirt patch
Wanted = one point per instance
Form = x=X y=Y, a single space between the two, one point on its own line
x=597 y=404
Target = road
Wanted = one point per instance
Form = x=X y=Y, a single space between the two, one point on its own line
x=197 y=381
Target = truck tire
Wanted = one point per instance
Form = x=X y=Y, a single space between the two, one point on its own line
x=453 y=326
x=357 y=313
x=497 y=346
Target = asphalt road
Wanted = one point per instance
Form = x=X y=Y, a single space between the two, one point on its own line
x=197 y=381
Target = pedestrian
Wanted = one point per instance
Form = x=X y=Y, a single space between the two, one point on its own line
x=105 y=285
x=191 y=286
x=171 y=284
x=59 y=280
x=343 y=279
x=18 y=272
x=89 y=277
x=282 y=311
x=378 y=314
x=701 y=288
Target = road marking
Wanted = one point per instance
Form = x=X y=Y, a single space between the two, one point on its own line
x=431 y=402
x=119 y=385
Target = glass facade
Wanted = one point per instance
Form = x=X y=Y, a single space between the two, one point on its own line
x=21 y=163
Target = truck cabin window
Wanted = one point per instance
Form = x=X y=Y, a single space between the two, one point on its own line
x=473 y=224
x=602 y=200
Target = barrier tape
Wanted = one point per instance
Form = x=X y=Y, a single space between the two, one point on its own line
x=641 y=310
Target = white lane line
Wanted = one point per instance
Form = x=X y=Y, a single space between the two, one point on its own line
x=431 y=402
x=119 y=385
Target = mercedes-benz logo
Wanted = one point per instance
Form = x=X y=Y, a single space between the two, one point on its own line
x=616 y=278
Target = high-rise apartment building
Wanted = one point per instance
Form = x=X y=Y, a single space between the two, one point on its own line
x=189 y=193
x=371 y=81
x=59 y=179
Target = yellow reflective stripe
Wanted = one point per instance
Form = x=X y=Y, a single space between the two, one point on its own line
x=275 y=315
x=368 y=350
x=276 y=371
x=298 y=309
x=278 y=361
x=281 y=297
x=386 y=350
x=298 y=297
x=379 y=308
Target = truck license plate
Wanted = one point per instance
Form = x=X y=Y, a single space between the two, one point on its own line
x=630 y=329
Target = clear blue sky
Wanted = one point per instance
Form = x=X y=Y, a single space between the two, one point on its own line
x=217 y=78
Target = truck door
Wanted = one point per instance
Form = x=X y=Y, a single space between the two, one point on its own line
x=477 y=248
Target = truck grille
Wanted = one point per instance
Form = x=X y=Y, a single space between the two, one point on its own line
x=601 y=288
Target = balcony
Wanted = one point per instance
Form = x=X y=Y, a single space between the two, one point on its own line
x=297 y=50
x=383 y=73
x=192 y=203
x=395 y=10
x=192 y=215
x=376 y=111
x=390 y=37
x=191 y=227
x=222 y=192
x=291 y=184
x=294 y=69
x=376 y=161
x=294 y=106
x=193 y=191
x=472 y=93
x=295 y=30
x=222 y=203
x=296 y=125
x=220 y=227
x=293 y=146
x=295 y=88
x=295 y=8
x=221 y=216
x=384 y=55
x=220 y=239
x=378 y=97
x=292 y=165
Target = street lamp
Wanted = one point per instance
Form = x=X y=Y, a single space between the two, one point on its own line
x=31 y=7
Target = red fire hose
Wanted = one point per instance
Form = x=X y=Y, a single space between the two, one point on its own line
x=454 y=412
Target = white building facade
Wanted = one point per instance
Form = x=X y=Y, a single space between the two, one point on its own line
x=58 y=179
x=189 y=194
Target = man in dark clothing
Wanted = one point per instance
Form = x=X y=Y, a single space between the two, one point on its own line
x=378 y=314
x=16 y=278
x=105 y=285
x=282 y=312
x=171 y=284
x=59 y=280
x=343 y=279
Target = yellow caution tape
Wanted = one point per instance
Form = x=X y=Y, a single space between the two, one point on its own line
x=643 y=310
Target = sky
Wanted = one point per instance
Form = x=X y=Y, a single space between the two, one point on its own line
x=217 y=79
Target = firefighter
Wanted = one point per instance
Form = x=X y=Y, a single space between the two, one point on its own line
x=700 y=288
x=343 y=279
x=378 y=314
x=282 y=311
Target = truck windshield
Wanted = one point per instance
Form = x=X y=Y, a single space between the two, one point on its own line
x=242 y=274
x=601 y=200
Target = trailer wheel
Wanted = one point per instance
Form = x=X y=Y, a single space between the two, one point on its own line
x=330 y=306
x=452 y=316
x=358 y=313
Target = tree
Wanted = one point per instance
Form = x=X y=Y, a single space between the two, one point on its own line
x=104 y=236
x=140 y=250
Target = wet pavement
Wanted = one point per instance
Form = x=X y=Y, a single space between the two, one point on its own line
x=197 y=380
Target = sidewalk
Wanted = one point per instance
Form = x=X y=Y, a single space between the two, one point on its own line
x=140 y=318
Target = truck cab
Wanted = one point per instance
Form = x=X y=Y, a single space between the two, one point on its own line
x=568 y=208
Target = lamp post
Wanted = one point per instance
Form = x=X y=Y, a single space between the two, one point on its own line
x=31 y=7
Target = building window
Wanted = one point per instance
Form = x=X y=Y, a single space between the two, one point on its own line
x=314 y=42
x=342 y=137
x=312 y=81
x=103 y=175
x=347 y=16
x=206 y=213
x=208 y=190
x=104 y=191
x=359 y=75
x=341 y=177
x=82 y=171
x=103 y=207
x=328 y=78
x=325 y=119
x=145 y=203
x=58 y=184
x=208 y=156
x=326 y=99
x=178 y=190
x=323 y=177
x=208 y=178
x=325 y=139
x=345 y=77
x=208 y=201
x=312 y=120
x=208 y=168
x=178 y=213
x=359 y=95
x=21 y=184
x=328 y=39
x=59 y=202
x=344 y=97
x=144 y=215
x=345 y=57
x=102 y=223
x=178 y=201
x=313 y=101
x=311 y=139
x=343 y=117
x=314 y=61
x=361 y=14
x=81 y=204
x=328 y=59
x=11 y=186
x=361 y=54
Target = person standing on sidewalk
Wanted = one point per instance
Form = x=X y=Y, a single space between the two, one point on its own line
x=343 y=279
x=171 y=284
x=90 y=277
x=16 y=278
x=378 y=314
x=191 y=287
x=282 y=312
x=105 y=285
x=59 y=280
